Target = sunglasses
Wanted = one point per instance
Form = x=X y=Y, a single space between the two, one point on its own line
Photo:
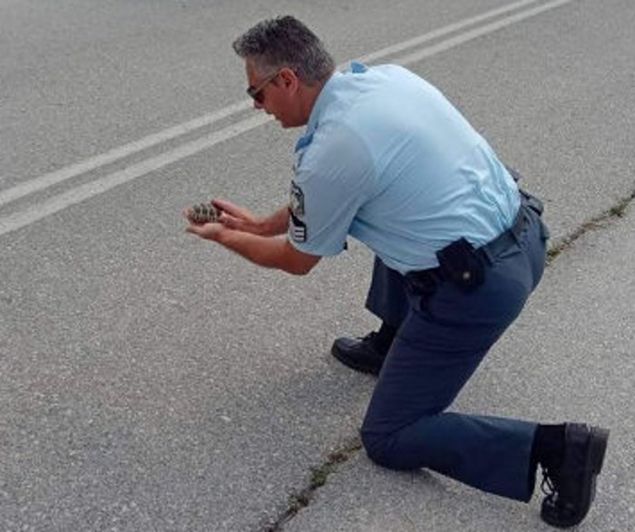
x=256 y=92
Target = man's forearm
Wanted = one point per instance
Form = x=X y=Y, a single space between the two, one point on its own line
x=261 y=250
x=277 y=223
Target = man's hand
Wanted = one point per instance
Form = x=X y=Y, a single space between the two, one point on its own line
x=208 y=231
x=239 y=218
x=211 y=231
x=270 y=252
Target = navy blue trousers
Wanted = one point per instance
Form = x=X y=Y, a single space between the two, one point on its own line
x=441 y=340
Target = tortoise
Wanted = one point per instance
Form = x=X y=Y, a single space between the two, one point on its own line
x=203 y=213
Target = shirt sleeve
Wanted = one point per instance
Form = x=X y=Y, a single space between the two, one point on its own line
x=334 y=177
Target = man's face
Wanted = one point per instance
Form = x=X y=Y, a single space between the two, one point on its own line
x=277 y=93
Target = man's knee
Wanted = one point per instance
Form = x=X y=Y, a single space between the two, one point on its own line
x=375 y=446
x=381 y=449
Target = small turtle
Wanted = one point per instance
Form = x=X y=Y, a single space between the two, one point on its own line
x=203 y=213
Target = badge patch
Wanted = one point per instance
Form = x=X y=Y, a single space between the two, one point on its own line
x=297 y=229
x=296 y=200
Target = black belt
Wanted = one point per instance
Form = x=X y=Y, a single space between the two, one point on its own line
x=506 y=239
x=425 y=281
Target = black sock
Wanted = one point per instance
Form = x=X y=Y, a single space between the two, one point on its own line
x=385 y=336
x=548 y=446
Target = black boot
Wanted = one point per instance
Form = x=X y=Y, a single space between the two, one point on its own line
x=365 y=354
x=570 y=485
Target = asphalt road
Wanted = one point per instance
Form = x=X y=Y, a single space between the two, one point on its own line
x=152 y=382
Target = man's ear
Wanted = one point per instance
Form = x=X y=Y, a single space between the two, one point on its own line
x=289 y=79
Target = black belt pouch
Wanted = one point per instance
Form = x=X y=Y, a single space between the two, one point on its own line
x=461 y=265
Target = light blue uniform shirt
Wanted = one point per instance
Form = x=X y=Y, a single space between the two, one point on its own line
x=388 y=160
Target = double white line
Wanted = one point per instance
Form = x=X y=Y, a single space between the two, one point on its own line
x=515 y=12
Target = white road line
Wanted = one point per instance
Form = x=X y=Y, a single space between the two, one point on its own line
x=61 y=201
x=478 y=32
x=47 y=180
x=78 y=194
x=52 y=178
x=416 y=41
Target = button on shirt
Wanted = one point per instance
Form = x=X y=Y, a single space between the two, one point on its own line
x=388 y=160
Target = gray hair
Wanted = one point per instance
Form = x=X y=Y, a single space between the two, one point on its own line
x=286 y=42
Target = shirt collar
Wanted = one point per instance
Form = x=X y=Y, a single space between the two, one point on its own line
x=327 y=95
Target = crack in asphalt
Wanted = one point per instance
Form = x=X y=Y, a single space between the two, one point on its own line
x=598 y=222
x=319 y=475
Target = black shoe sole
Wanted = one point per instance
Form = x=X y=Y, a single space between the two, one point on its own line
x=594 y=462
x=362 y=368
x=599 y=442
